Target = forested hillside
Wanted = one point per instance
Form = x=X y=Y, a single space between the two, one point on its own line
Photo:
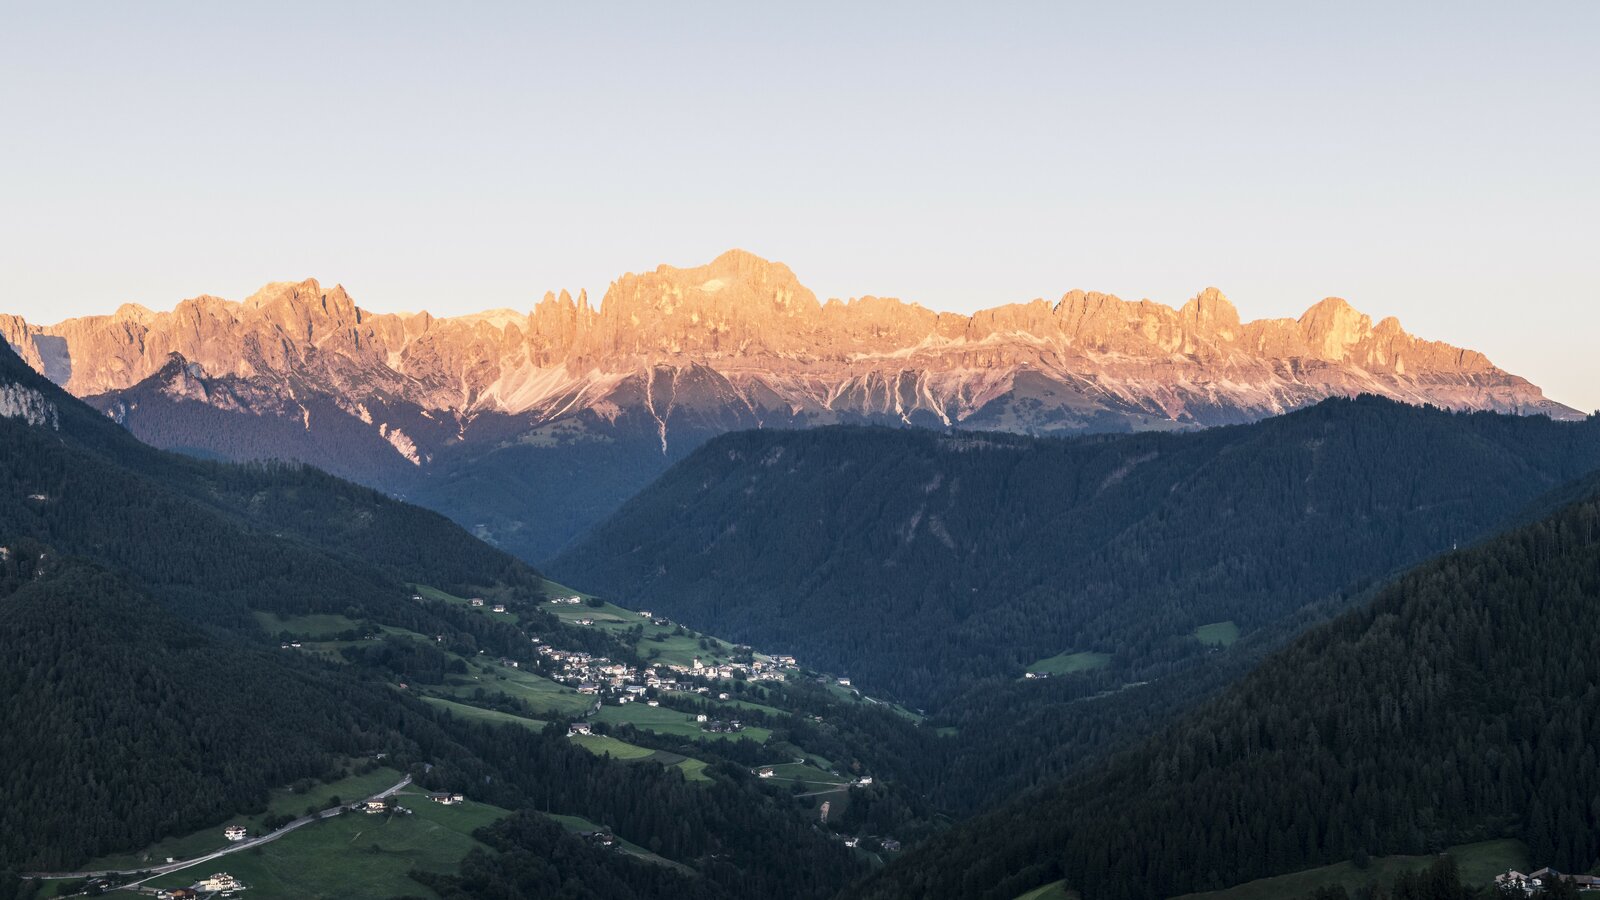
x=147 y=700
x=122 y=724
x=1463 y=704
x=919 y=561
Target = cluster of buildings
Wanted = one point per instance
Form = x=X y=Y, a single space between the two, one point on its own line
x=221 y=883
x=1535 y=882
x=621 y=683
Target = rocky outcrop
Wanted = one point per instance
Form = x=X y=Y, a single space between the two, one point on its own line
x=527 y=427
x=780 y=351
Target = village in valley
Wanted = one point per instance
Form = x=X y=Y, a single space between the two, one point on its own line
x=628 y=685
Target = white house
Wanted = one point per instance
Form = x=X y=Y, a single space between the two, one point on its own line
x=235 y=833
x=221 y=881
x=477 y=601
x=578 y=728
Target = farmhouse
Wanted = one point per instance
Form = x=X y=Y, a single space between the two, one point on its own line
x=221 y=881
x=477 y=601
x=1536 y=881
x=766 y=772
x=377 y=806
x=863 y=780
x=235 y=833
x=578 y=728
x=844 y=682
x=499 y=607
x=588 y=687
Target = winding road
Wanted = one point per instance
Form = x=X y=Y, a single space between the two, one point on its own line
x=168 y=868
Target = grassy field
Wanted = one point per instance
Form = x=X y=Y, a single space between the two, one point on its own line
x=810 y=776
x=433 y=593
x=599 y=745
x=580 y=825
x=661 y=720
x=733 y=705
x=1055 y=890
x=311 y=627
x=897 y=709
x=1479 y=864
x=544 y=695
x=1217 y=634
x=281 y=802
x=477 y=714
x=659 y=640
x=694 y=769
x=1068 y=663
x=354 y=856
x=556 y=589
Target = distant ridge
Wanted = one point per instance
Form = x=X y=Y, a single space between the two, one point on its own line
x=408 y=402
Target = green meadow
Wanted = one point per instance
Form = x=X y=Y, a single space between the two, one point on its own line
x=354 y=856
x=281 y=802
x=1217 y=634
x=1068 y=663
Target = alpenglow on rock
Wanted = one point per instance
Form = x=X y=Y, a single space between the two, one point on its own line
x=778 y=350
x=674 y=356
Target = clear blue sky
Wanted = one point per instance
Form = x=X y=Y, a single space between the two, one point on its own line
x=1433 y=161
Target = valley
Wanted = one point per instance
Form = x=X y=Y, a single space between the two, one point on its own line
x=844 y=661
x=840 y=451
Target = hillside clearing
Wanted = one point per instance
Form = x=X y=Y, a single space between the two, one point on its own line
x=1217 y=634
x=1479 y=864
x=1068 y=663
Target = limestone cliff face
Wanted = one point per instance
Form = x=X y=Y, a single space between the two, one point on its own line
x=741 y=341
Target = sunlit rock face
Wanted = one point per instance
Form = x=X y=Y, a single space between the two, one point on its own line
x=744 y=333
x=500 y=408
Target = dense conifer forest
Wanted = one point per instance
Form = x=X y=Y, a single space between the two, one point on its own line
x=1463 y=704
x=918 y=562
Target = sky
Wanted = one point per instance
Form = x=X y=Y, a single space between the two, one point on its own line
x=1439 y=162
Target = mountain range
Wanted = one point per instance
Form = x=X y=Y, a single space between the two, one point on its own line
x=528 y=428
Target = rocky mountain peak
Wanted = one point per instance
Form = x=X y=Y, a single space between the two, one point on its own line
x=751 y=324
